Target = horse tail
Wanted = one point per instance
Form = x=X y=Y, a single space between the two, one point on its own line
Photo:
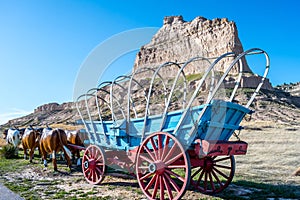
x=61 y=142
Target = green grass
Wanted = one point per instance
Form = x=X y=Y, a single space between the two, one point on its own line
x=60 y=194
x=192 y=77
x=12 y=165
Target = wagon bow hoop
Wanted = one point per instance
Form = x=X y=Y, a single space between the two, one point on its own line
x=258 y=51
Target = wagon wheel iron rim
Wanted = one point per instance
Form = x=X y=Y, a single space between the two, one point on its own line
x=162 y=167
x=93 y=164
x=214 y=175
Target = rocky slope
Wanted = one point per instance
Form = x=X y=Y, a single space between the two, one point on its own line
x=278 y=106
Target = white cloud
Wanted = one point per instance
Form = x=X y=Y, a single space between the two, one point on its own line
x=14 y=113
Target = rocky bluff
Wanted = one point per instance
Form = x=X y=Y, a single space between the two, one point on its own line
x=179 y=41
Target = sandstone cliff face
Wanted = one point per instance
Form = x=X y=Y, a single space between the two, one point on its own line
x=178 y=41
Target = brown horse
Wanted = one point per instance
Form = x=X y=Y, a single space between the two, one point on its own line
x=74 y=139
x=53 y=141
x=30 y=140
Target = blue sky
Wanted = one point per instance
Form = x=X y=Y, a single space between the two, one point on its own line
x=44 y=43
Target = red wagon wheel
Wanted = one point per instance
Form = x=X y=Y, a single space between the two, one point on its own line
x=93 y=164
x=214 y=175
x=162 y=167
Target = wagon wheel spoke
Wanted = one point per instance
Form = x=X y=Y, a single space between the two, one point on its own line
x=146 y=176
x=174 y=159
x=154 y=193
x=166 y=147
x=165 y=174
x=200 y=177
x=100 y=164
x=211 y=182
x=195 y=173
x=161 y=184
x=170 y=153
x=175 y=186
x=151 y=182
x=169 y=190
x=95 y=153
x=160 y=146
x=217 y=178
x=99 y=171
x=223 y=166
x=94 y=175
x=176 y=166
x=176 y=175
x=205 y=181
x=154 y=146
x=146 y=159
x=149 y=153
x=86 y=157
x=222 y=159
x=91 y=152
x=221 y=173
x=214 y=174
x=89 y=175
x=214 y=157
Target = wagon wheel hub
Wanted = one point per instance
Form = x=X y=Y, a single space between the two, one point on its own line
x=91 y=163
x=157 y=167
x=208 y=165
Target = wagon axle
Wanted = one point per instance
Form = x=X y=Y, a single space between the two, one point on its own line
x=158 y=167
x=91 y=164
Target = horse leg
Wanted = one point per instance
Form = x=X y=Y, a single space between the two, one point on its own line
x=25 y=153
x=73 y=156
x=67 y=157
x=31 y=153
x=78 y=157
x=39 y=149
x=44 y=155
x=17 y=151
x=54 y=160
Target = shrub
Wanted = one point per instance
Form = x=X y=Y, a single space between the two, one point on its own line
x=8 y=151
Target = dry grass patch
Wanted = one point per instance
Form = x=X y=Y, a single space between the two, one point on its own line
x=2 y=142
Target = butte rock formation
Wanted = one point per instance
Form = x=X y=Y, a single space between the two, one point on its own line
x=178 y=41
